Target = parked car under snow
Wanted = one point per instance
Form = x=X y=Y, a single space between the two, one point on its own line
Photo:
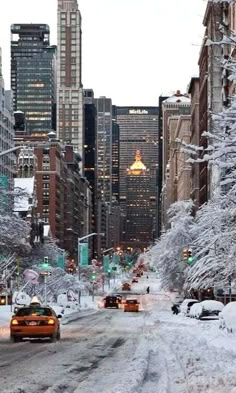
x=206 y=308
x=186 y=305
x=227 y=318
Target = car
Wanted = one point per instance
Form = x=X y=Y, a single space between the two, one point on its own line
x=131 y=304
x=134 y=279
x=186 y=305
x=119 y=298
x=206 y=308
x=111 y=302
x=227 y=318
x=126 y=287
x=35 y=321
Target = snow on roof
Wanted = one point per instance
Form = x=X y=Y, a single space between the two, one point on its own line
x=178 y=98
x=27 y=185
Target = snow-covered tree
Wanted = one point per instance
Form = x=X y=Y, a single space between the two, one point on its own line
x=167 y=253
x=215 y=228
x=48 y=249
x=214 y=235
x=14 y=231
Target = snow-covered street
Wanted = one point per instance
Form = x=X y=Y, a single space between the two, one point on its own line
x=110 y=351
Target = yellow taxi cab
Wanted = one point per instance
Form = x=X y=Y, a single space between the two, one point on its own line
x=35 y=321
x=131 y=305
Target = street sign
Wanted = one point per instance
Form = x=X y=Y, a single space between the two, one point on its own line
x=4 y=184
x=45 y=273
x=115 y=259
x=61 y=261
x=106 y=263
x=83 y=254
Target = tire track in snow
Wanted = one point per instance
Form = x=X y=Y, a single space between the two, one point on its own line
x=165 y=372
x=176 y=372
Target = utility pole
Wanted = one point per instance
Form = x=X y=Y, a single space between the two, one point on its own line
x=17 y=272
x=93 y=293
x=78 y=257
x=45 y=289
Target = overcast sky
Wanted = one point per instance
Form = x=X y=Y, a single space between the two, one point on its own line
x=133 y=50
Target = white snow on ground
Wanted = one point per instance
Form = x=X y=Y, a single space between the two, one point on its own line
x=167 y=354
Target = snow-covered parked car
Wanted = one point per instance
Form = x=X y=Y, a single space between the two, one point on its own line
x=227 y=317
x=206 y=308
x=186 y=305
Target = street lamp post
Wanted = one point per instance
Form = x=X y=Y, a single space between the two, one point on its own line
x=5 y=152
x=107 y=274
x=79 y=240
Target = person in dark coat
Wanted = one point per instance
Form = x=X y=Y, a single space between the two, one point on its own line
x=148 y=289
x=175 y=309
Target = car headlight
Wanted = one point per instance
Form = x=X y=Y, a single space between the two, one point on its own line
x=14 y=322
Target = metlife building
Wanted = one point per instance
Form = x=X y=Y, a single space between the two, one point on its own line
x=138 y=131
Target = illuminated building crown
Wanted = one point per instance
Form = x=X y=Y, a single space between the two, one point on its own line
x=138 y=167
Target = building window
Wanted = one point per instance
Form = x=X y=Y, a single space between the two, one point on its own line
x=46 y=167
x=46 y=159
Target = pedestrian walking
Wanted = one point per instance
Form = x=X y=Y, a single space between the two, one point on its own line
x=148 y=289
x=147 y=277
x=175 y=309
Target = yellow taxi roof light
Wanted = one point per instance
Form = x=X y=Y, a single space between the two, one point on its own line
x=35 y=300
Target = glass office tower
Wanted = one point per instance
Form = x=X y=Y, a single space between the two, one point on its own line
x=33 y=79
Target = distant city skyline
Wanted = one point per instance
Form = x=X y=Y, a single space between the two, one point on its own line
x=133 y=51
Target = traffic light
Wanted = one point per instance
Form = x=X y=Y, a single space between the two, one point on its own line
x=190 y=256
x=93 y=276
x=45 y=263
x=185 y=254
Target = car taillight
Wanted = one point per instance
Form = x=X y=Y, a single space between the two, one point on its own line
x=51 y=322
x=14 y=322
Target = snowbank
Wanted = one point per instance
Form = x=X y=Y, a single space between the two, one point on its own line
x=228 y=317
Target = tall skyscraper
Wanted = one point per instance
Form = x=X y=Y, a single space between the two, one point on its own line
x=89 y=137
x=141 y=206
x=104 y=148
x=115 y=160
x=69 y=83
x=33 y=63
x=90 y=122
x=7 y=162
x=138 y=129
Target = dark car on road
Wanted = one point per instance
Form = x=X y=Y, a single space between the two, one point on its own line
x=119 y=298
x=111 y=302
